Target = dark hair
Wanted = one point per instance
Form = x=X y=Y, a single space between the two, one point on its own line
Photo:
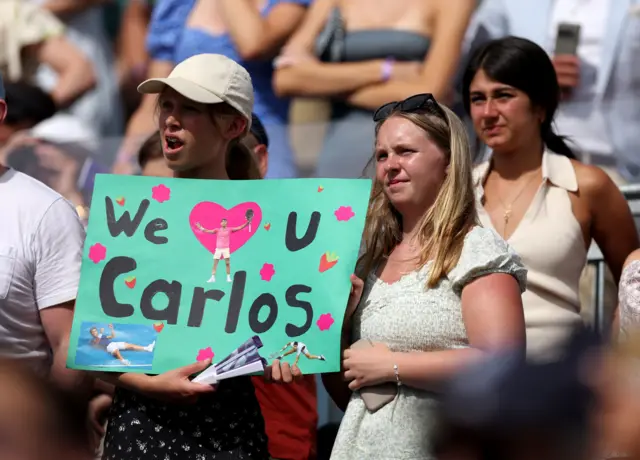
x=240 y=162
x=150 y=150
x=27 y=103
x=520 y=63
x=258 y=131
x=241 y=165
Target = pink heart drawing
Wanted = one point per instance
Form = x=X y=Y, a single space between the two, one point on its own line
x=210 y=215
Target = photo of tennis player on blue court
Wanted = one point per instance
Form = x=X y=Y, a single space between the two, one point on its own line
x=106 y=345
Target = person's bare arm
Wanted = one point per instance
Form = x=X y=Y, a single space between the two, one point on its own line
x=68 y=7
x=206 y=230
x=102 y=386
x=57 y=254
x=132 y=53
x=312 y=78
x=76 y=74
x=56 y=322
x=142 y=122
x=440 y=65
x=174 y=385
x=240 y=227
x=300 y=73
x=612 y=225
x=493 y=318
x=257 y=37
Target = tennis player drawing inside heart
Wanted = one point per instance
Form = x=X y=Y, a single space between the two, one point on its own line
x=223 y=231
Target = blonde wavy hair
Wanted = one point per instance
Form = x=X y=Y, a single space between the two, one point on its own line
x=445 y=224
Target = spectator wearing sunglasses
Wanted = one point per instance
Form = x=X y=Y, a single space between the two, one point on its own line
x=438 y=292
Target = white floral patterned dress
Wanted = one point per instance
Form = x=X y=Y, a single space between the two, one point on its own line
x=407 y=317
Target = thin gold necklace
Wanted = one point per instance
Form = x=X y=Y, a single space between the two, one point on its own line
x=508 y=209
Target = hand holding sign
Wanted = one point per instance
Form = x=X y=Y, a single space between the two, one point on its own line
x=175 y=385
x=281 y=371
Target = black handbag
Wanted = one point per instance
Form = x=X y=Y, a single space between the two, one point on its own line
x=329 y=45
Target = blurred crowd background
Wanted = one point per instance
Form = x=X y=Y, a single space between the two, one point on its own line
x=319 y=68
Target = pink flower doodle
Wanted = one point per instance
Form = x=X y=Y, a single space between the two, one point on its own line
x=325 y=321
x=97 y=253
x=161 y=193
x=344 y=213
x=204 y=354
x=266 y=272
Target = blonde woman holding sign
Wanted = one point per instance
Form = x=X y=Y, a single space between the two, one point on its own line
x=439 y=290
x=204 y=110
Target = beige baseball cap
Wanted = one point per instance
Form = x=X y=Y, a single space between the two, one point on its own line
x=208 y=79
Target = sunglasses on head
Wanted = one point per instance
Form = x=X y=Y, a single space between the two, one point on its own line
x=414 y=103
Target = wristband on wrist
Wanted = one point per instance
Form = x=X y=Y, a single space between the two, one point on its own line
x=387 y=69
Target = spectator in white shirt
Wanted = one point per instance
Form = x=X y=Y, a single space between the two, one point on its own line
x=41 y=240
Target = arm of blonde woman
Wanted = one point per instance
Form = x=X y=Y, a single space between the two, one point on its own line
x=172 y=386
x=440 y=64
x=255 y=36
x=493 y=318
x=300 y=73
x=76 y=74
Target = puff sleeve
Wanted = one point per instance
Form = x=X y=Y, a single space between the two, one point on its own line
x=484 y=253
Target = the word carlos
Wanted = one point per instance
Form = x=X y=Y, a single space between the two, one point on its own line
x=120 y=265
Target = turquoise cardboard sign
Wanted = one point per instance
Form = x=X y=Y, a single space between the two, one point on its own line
x=175 y=271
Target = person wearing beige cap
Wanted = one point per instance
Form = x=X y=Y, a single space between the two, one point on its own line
x=204 y=111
